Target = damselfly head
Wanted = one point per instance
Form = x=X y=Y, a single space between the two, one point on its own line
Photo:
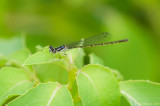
x=51 y=49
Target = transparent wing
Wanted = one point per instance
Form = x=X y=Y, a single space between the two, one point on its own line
x=89 y=41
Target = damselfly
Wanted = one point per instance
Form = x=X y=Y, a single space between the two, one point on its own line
x=86 y=42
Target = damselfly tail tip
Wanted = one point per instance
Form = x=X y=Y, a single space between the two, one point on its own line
x=126 y=40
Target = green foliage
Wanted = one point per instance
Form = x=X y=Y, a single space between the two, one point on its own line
x=141 y=93
x=45 y=78
x=95 y=84
x=49 y=94
x=14 y=82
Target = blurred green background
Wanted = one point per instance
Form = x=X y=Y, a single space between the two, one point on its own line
x=56 y=22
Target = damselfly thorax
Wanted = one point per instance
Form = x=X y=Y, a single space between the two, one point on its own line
x=57 y=49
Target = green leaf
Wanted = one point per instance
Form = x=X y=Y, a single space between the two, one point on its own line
x=141 y=93
x=117 y=75
x=79 y=58
x=44 y=57
x=18 y=89
x=51 y=72
x=14 y=82
x=3 y=60
x=95 y=59
x=39 y=58
x=124 y=102
x=8 y=46
x=19 y=56
x=49 y=94
x=97 y=86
